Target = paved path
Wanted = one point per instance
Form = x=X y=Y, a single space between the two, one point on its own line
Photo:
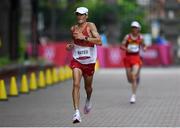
x=158 y=102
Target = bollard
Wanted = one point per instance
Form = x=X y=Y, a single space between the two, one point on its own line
x=33 y=82
x=66 y=70
x=3 y=94
x=13 y=91
x=69 y=72
x=54 y=74
x=61 y=74
x=41 y=80
x=97 y=65
x=49 y=77
x=24 y=85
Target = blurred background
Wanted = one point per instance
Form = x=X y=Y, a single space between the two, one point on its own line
x=34 y=32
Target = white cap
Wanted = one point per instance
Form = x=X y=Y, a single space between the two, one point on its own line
x=135 y=24
x=82 y=10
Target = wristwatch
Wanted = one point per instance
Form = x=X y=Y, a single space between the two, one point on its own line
x=86 y=38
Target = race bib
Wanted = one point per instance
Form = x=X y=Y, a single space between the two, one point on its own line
x=133 y=48
x=82 y=52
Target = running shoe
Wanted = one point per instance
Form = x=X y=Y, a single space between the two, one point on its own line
x=87 y=107
x=76 y=118
x=133 y=99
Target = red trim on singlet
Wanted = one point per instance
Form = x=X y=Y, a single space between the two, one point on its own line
x=82 y=42
x=138 y=41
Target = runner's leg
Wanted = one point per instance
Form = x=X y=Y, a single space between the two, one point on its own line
x=138 y=77
x=128 y=75
x=77 y=75
x=88 y=87
x=134 y=74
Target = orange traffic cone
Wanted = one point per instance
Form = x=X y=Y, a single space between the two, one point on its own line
x=97 y=65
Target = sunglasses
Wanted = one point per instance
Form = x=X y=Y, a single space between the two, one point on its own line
x=79 y=14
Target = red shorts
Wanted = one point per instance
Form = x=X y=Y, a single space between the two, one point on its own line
x=131 y=60
x=87 y=69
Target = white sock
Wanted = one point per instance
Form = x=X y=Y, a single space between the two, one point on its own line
x=77 y=110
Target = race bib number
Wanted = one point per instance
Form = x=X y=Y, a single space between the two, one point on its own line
x=82 y=52
x=133 y=48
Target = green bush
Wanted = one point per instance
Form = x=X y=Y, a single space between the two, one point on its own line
x=101 y=13
x=4 y=61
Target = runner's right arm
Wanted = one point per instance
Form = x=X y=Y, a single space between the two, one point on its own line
x=70 y=44
x=123 y=44
x=96 y=38
x=144 y=46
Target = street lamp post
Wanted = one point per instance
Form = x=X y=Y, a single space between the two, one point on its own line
x=34 y=21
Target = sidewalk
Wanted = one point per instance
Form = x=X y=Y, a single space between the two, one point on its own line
x=157 y=102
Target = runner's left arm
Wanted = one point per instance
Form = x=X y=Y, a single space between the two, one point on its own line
x=96 y=39
x=144 y=46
